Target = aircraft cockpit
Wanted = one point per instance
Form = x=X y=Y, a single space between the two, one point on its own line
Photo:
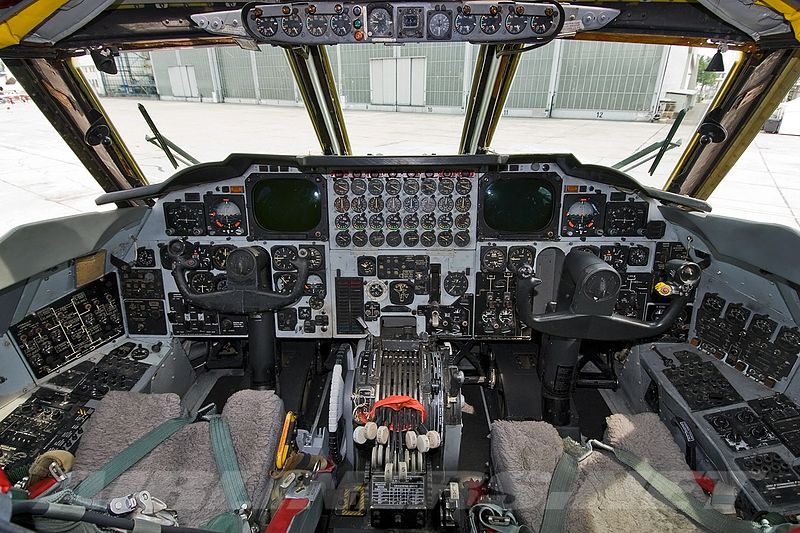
x=334 y=341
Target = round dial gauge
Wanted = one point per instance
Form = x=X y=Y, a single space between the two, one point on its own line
x=446 y=204
x=315 y=258
x=638 y=256
x=226 y=217
x=219 y=256
x=340 y=24
x=714 y=303
x=376 y=221
x=763 y=326
x=581 y=215
x=463 y=186
x=428 y=221
x=394 y=204
x=358 y=186
x=292 y=25
x=411 y=186
x=428 y=239
x=285 y=282
x=456 y=284
x=465 y=24
x=411 y=221
x=202 y=282
x=358 y=204
x=541 y=24
x=491 y=23
x=737 y=314
x=376 y=204
x=380 y=22
x=428 y=186
x=516 y=23
x=411 y=239
x=314 y=286
x=375 y=186
x=342 y=222
x=393 y=186
x=518 y=256
x=394 y=222
x=184 y=219
x=411 y=204
x=394 y=239
x=446 y=186
x=789 y=339
x=439 y=25
x=463 y=221
x=428 y=204
x=360 y=239
x=341 y=204
x=445 y=239
x=317 y=25
x=445 y=221
x=377 y=238
x=461 y=238
x=463 y=203
x=494 y=259
x=267 y=26
x=342 y=239
x=626 y=218
x=359 y=221
x=316 y=303
x=283 y=256
x=376 y=290
x=341 y=186
x=221 y=283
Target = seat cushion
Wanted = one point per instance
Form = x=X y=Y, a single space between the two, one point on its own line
x=181 y=471
x=608 y=496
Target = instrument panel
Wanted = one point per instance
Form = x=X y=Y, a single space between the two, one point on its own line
x=439 y=241
x=388 y=22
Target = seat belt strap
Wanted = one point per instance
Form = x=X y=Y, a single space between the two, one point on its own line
x=228 y=466
x=708 y=517
x=561 y=487
x=120 y=463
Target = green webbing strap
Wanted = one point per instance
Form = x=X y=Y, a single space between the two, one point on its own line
x=707 y=517
x=561 y=487
x=128 y=457
x=227 y=465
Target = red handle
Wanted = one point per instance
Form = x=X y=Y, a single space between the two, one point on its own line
x=5 y=484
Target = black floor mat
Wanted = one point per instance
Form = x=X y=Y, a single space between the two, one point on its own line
x=475 y=434
x=224 y=388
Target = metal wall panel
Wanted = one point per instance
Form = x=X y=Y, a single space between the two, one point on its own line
x=236 y=71
x=274 y=76
x=444 y=81
x=608 y=76
x=161 y=61
x=198 y=58
x=531 y=85
x=354 y=82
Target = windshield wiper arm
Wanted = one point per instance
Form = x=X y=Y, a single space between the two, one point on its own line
x=158 y=136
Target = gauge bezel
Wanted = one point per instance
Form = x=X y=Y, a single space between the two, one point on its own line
x=199 y=209
x=433 y=13
x=210 y=200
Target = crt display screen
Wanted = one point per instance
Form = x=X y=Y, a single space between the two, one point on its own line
x=287 y=205
x=518 y=205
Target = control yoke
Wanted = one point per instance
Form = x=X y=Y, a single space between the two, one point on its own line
x=247 y=278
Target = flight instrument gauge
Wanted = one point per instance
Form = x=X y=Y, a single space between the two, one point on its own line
x=541 y=24
x=428 y=186
x=493 y=259
x=314 y=286
x=317 y=25
x=343 y=239
x=341 y=186
x=446 y=186
x=283 y=257
x=267 y=26
x=626 y=219
x=638 y=256
x=439 y=25
x=491 y=23
x=465 y=24
x=393 y=186
x=202 y=282
x=516 y=23
x=463 y=186
x=380 y=22
x=225 y=215
x=445 y=239
x=219 y=256
x=518 y=256
x=375 y=186
x=314 y=256
x=359 y=186
x=583 y=215
x=456 y=284
x=462 y=239
x=292 y=25
x=341 y=24
x=411 y=186
x=285 y=282
x=184 y=218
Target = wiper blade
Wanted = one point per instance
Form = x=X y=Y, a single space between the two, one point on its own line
x=158 y=136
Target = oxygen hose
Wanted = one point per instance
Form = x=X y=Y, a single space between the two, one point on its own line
x=335 y=404
x=75 y=513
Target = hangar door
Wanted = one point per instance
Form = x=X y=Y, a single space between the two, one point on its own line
x=397 y=81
